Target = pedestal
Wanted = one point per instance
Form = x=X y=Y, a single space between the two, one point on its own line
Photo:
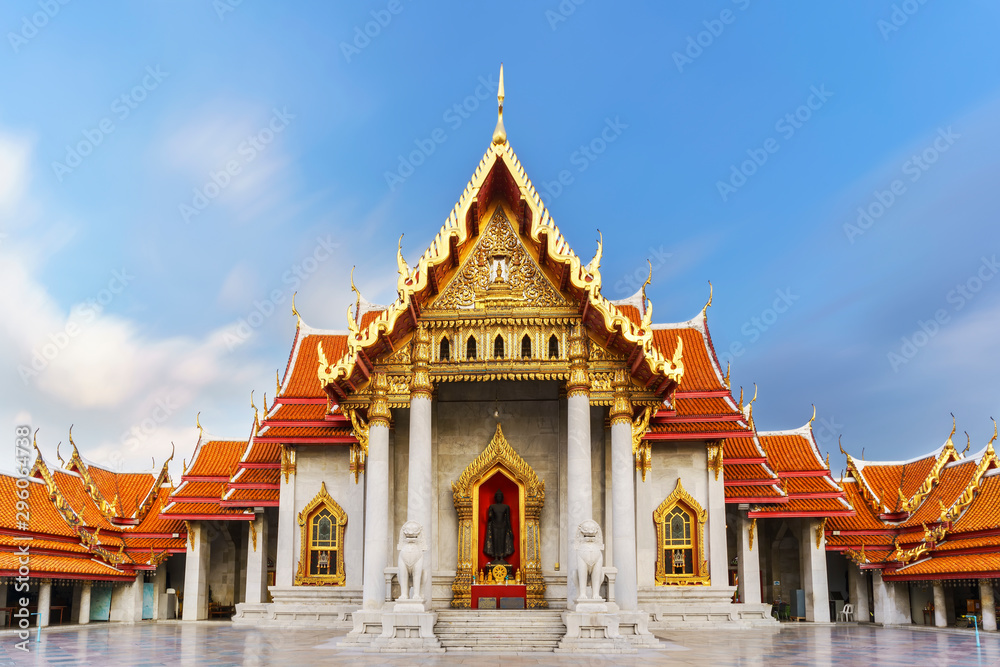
x=367 y=626
x=407 y=629
x=592 y=628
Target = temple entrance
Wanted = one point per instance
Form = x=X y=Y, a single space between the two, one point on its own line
x=499 y=502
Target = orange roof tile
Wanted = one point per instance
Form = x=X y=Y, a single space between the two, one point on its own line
x=43 y=565
x=216 y=458
x=792 y=451
x=984 y=512
x=700 y=366
x=300 y=378
x=954 y=479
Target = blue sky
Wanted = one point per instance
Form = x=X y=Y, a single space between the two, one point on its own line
x=747 y=135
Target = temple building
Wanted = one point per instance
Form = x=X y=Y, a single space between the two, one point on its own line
x=545 y=468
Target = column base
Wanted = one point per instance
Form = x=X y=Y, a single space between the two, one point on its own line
x=407 y=632
x=634 y=627
x=592 y=632
x=367 y=626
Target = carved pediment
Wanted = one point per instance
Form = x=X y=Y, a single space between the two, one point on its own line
x=499 y=273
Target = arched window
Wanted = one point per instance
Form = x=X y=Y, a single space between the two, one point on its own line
x=678 y=546
x=553 y=347
x=470 y=348
x=445 y=351
x=680 y=537
x=526 y=346
x=498 y=347
x=322 y=523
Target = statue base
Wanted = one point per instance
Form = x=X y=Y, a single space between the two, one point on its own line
x=367 y=626
x=634 y=627
x=591 y=606
x=407 y=631
x=590 y=632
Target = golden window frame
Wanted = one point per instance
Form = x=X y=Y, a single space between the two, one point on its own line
x=302 y=576
x=700 y=576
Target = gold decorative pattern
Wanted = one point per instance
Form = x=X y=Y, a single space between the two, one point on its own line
x=751 y=530
x=499 y=455
x=715 y=453
x=621 y=407
x=579 y=382
x=499 y=272
x=701 y=576
x=253 y=535
x=302 y=576
x=642 y=451
x=820 y=530
x=287 y=461
x=421 y=383
x=378 y=410
x=360 y=450
x=947 y=455
x=988 y=461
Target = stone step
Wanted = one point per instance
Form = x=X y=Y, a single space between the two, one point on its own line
x=471 y=630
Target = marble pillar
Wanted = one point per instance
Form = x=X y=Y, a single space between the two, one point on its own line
x=748 y=561
x=857 y=582
x=940 y=606
x=718 y=556
x=196 y=569
x=623 y=509
x=892 y=601
x=420 y=482
x=284 y=566
x=84 y=610
x=988 y=605
x=579 y=489
x=256 y=574
x=813 y=567
x=376 y=514
x=133 y=600
x=44 y=602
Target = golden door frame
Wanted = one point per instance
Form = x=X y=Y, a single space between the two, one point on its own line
x=499 y=456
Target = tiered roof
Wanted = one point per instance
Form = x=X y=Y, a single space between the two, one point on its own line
x=944 y=525
x=73 y=531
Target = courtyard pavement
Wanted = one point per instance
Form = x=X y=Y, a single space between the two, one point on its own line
x=219 y=643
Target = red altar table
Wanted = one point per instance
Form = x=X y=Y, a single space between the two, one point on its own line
x=501 y=591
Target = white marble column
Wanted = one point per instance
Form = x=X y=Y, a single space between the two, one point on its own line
x=133 y=600
x=858 y=584
x=376 y=514
x=84 y=611
x=288 y=533
x=988 y=605
x=419 y=480
x=748 y=561
x=160 y=592
x=940 y=606
x=256 y=581
x=44 y=602
x=892 y=602
x=579 y=489
x=718 y=545
x=623 y=509
x=196 y=567
x=813 y=565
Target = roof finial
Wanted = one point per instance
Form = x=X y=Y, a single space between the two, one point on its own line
x=709 y=302
x=968 y=443
x=197 y=422
x=500 y=134
x=295 y=312
x=813 y=418
x=277 y=383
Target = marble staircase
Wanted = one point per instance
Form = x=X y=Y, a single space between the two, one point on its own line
x=499 y=630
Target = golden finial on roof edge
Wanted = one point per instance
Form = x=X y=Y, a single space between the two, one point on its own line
x=295 y=312
x=968 y=444
x=709 y=302
x=500 y=134
x=813 y=418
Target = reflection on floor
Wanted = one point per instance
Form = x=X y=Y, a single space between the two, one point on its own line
x=208 y=643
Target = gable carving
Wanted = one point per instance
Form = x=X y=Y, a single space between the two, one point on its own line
x=499 y=273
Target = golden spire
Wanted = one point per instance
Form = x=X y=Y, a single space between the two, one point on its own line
x=500 y=134
x=707 y=303
x=729 y=365
x=295 y=312
x=813 y=418
x=252 y=405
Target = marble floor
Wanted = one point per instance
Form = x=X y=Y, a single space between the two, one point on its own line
x=219 y=643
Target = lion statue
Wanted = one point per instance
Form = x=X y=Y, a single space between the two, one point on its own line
x=589 y=545
x=412 y=545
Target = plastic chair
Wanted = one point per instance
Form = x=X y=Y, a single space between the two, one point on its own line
x=846 y=613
